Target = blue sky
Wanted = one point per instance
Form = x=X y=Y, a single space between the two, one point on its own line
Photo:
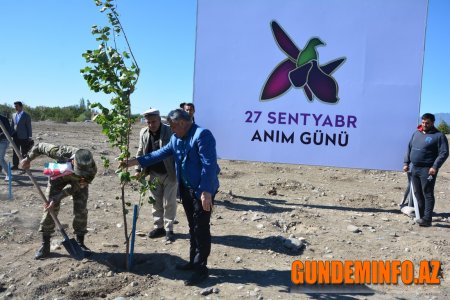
x=42 y=42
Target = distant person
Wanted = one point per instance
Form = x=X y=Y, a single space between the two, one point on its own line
x=152 y=138
x=79 y=171
x=194 y=151
x=4 y=143
x=22 y=134
x=427 y=152
x=190 y=109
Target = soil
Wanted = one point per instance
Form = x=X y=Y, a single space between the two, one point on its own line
x=258 y=208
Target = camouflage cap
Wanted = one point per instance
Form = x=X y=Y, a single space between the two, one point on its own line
x=84 y=165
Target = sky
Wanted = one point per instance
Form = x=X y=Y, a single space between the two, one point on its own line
x=42 y=43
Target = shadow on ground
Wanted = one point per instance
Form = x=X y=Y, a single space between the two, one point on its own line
x=274 y=243
x=268 y=206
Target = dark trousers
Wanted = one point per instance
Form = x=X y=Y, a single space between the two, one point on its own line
x=424 y=191
x=24 y=147
x=199 y=228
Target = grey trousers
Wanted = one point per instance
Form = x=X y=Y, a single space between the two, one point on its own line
x=165 y=207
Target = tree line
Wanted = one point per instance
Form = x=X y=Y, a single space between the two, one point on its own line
x=443 y=127
x=83 y=112
x=73 y=113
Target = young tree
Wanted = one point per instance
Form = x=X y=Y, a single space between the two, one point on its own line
x=114 y=72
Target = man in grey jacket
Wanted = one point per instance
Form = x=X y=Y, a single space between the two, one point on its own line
x=427 y=152
x=151 y=138
x=21 y=125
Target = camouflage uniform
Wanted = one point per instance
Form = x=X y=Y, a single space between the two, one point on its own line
x=62 y=187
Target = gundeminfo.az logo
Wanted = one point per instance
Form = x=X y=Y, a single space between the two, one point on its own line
x=302 y=70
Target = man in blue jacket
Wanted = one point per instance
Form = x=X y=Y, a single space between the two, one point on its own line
x=427 y=152
x=194 y=151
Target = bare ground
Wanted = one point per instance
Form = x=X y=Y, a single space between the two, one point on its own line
x=259 y=206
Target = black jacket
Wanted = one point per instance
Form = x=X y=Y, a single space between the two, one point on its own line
x=428 y=149
x=5 y=122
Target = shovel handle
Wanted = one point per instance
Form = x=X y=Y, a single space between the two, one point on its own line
x=28 y=172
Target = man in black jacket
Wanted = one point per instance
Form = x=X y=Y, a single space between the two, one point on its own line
x=21 y=125
x=427 y=152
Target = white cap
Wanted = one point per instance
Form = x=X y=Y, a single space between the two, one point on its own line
x=150 y=112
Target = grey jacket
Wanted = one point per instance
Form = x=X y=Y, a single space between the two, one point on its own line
x=22 y=130
x=144 y=138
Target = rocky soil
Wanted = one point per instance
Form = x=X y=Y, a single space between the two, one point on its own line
x=265 y=217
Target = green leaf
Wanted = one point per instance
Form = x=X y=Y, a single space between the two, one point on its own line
x=124 y=176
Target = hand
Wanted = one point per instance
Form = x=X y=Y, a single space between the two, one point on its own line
x=83 y=183
x=206 y=199
x=405 y=168
x=432 y=171
x=139 y=174
x=24 y=164
x=49 y=205
x=131 y=162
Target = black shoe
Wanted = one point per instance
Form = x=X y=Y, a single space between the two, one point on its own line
x=44 y=250
x=423 y=222
x=156 y=233
x=80 y=241
x=197 y=277
x=184 y=266
x=170 y=237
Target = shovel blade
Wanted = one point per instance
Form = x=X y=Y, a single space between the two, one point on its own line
x=74 y=249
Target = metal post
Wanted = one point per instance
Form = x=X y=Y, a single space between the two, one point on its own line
x=133 y=235
x=9 y=182
x=416 y=205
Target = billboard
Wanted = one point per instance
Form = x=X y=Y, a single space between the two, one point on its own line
x=316 y=82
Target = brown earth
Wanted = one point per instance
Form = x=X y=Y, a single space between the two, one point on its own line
x=259 y=206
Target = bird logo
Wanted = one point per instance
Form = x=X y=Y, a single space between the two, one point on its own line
x=301 y=69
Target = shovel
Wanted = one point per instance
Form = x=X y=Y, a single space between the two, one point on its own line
x=71 y=245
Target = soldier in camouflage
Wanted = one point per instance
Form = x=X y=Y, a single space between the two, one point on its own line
x=73 y=184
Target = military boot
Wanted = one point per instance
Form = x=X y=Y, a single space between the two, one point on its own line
x=80 y=240
x=44 y=250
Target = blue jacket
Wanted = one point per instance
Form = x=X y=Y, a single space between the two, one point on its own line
x=195 y=159
x=428 y=149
